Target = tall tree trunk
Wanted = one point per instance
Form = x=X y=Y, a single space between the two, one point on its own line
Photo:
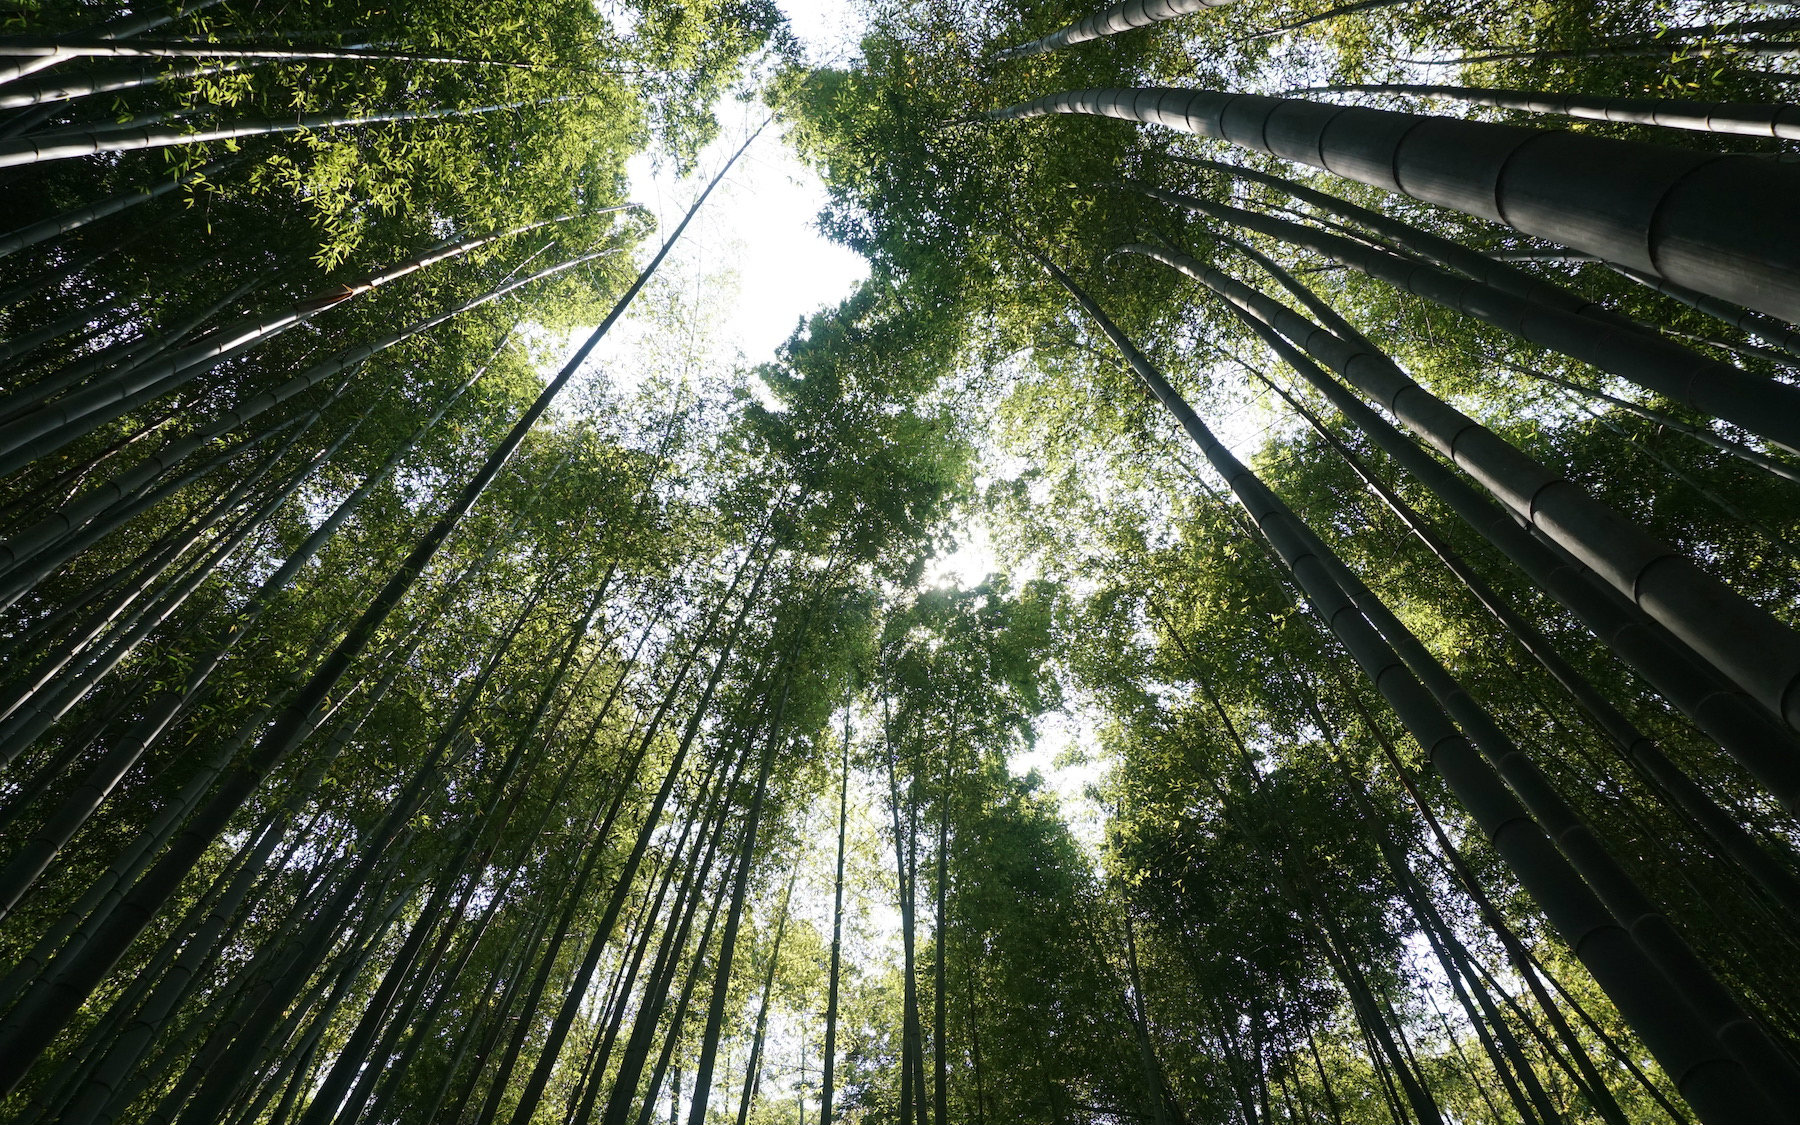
x=1661 y=46
x=1648 y=928
x=1667 y=421
x=1771 y=330
x=678 y=1017
x=63 y=420
x=975 y=1072
x=1312 y=906
x=125 y=357
x=1746 y=731
x=1520 y=957
x=904 y=872
x=325 y=1100
x=753 y=1067
x=721 y=987
x=655 y=998
x=1331 y=1099
x=940 y=999
x=624 y=881
x=68 y=47
x=53 y=532
x=1140 y=1023
x=826 y=1082
x=123 y=28
x=48 y=94
x=1504 y=1054
x=1328 y=14
x=1724 y=832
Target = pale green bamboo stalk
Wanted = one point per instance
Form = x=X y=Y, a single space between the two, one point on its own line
x=28 y=151
x=1771 y=119
x=124 y=28
x=1114 y=20
x=49 y=93
x=57 y=50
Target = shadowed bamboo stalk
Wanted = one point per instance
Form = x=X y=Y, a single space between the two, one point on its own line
x=676 y=925
x=626 y=876
x=585 y=1090
x=112 y=205
x=35 y=429
x=1665 y=945
x=1746 y=731
x=1493 y=269
x=826 y=1081
x=245 y=1045
x=83 y=922
x=398 y=1056
x=142 y=569
x=36 y=433
x=136 y=1018
x=1772 y=537
x=1497 y=270
x=1766 y=328
x=121 y=358
x=1329 y=14
x=77 y=922
x=1776 y=875
x=162 y=710
x=1668 y=421
x=1720 y=223
x=48 y=691
x=32 y=856
x=715 y=1013
x=1708 y=39
x=104 y=317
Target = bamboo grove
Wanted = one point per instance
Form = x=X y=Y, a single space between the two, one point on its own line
x=1385 y=416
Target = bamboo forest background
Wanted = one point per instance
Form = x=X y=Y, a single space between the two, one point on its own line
x=1396 y=510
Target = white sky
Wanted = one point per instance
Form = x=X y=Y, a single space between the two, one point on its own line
x=829 y=29
x=754 y=247
x=758 y=226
